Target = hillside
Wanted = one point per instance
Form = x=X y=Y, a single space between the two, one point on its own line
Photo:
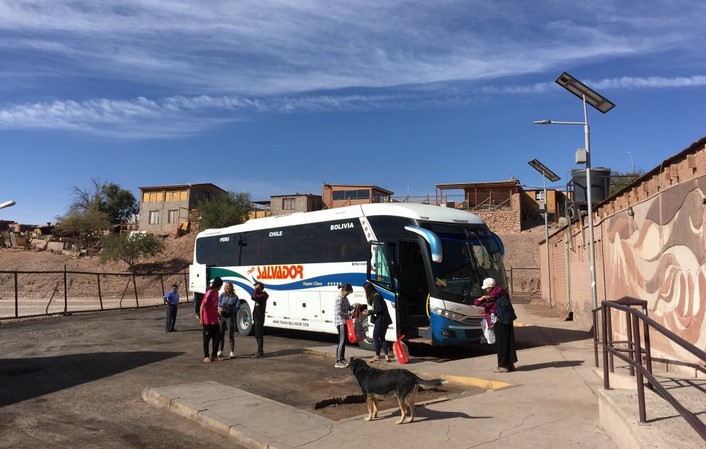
x=177 y=256
x=521 y=251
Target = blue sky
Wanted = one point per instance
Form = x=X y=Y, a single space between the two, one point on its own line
x=278 y=97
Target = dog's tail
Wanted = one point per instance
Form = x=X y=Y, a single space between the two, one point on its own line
x=430 y=384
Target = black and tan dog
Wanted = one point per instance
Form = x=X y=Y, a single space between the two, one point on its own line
x=376 y=383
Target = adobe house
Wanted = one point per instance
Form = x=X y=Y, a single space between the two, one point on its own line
x=533 y=205
x=499 y=203
x=260 y=209
x=168 y=209
x=340 y=195
x=299 y=202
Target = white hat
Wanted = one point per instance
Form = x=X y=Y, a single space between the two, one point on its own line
x=488 y=283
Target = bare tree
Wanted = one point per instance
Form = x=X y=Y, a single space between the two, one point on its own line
x=86 y=198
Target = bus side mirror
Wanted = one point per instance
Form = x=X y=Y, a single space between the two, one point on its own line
x=432 y=239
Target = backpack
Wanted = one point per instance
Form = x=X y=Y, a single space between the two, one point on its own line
x=505 y=311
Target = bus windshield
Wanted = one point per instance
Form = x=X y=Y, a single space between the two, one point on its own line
x=469 y=256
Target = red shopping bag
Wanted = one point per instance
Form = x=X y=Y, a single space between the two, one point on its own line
x=358 y=322
x=400 y=350
x=350 y=329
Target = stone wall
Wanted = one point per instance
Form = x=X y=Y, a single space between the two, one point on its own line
x=503 y=221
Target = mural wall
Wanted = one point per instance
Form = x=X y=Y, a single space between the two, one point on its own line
x=657 y=253
x=650 y=243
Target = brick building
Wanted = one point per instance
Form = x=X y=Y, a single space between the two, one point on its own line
x=165 y=209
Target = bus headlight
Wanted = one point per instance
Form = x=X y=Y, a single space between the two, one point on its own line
x=448 y=314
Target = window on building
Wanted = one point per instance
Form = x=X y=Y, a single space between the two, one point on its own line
x=288 y=203
x=176 y=195
x=152 y=197
x=380 y=198
x=172 y=216
x=362 y=194
x=154 y=217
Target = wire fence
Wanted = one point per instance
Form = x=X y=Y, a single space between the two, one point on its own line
x=524 y=284
x=37 y=293
x=34 y=293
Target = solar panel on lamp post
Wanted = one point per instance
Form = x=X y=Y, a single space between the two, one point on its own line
x=602 y=104
x=553 y=177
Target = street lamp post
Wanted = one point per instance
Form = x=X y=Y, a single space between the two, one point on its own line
x=553 y=177
x=588 y=96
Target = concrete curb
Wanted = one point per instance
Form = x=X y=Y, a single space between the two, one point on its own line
x=485 y=384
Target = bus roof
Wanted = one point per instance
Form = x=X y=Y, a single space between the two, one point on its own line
x=409 y=210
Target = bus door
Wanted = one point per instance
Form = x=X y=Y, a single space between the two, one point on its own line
x=381 y=272
x=412 y=291
x=381 y=266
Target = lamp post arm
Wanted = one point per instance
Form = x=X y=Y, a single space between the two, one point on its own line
x=555 y=122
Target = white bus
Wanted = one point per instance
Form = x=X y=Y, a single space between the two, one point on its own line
x=429 y=261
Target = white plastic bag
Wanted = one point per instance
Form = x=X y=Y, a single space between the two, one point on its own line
x=488 y=332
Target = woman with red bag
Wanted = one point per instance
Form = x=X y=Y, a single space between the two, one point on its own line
x=380 y=316
x=209 y=319
x=342 y=309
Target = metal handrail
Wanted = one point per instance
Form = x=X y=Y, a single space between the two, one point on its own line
x=636 y=348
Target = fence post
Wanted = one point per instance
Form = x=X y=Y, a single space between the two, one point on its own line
x=609 y=331
x=100 y=295
x=134 y=285
x=638 y=358
x=17 y=298
x=631 y=343
x=512 y=283
x=186 y=284
x=605 y=317
x=66 y=293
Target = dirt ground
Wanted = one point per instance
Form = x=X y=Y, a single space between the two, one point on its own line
x=76 y=381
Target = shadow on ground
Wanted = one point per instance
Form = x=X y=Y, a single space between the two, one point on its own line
x=531 y=336
x=27 y=378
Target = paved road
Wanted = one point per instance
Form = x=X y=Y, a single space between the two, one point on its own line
x=76 y=381
x=53 y=305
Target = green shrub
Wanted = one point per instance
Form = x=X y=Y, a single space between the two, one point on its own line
x=131 y=249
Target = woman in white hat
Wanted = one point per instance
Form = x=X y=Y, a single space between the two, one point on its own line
x=504 y=330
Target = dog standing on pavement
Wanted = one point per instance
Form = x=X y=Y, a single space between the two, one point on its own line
x=376 y=383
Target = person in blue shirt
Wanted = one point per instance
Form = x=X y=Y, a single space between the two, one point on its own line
x=228 y=305
x=171 y=299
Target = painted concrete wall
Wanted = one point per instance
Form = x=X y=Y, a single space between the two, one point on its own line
x=650 y=243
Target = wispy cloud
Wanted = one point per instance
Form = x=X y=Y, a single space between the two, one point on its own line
x=265 y=47
x=177 y=116
x=651 y=82
x=152 y=68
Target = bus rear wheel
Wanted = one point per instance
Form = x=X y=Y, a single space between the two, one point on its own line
x=367 y=344
x=243 y=319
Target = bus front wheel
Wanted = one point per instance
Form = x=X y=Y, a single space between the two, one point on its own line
x=243 y=319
